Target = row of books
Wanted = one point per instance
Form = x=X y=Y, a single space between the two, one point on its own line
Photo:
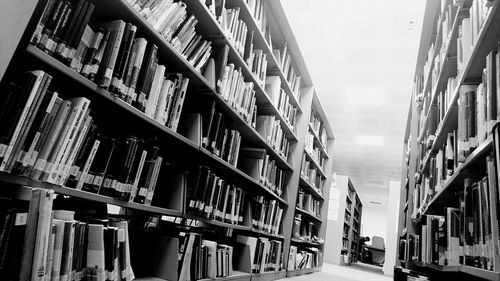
x=436 y=114
x=445 y=22
x=265 y=254
x=266 y=215
x=308 y=203
x=310 y=174
x=44 y=244
x=111 y=55
x=236 y=29
x=468 y=32
x=270 y=129
x=319 y=128
x=62 y=27
x=284 y=59
x=446 y=18
x=172 y=21
x=257 y=63
x=213 y=197
x=309 y=257
x=201 y=258
x=54 y=140
x=472 y=123
x=464 y=235
x=240 y=37
x=347 y=217
x=477 y=112
x=239 y=94
x=219 y=138
x=258 y=9
x=256 y=163
x=303 y=228
x=280 y=99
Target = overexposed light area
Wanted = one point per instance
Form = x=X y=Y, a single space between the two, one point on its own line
x=361 y=56
x=364 y=95
x=370 y=140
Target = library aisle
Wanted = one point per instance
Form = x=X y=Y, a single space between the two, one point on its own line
x=355 y=272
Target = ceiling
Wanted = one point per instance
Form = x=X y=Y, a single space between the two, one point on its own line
x=361 y=56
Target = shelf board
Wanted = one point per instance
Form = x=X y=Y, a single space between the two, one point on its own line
x=439 y=201
x=263 y=233
x=24 y=186
x=268 y=276
x=303 y=242
x=217 y=223
x=438 y=267
x=304 y=212
x=312 y=190
x=261 y=43
x=302 y=271
x=477 y=272
x=481 y=273
x=237 y=276
x=318 y=142
x=316 y=164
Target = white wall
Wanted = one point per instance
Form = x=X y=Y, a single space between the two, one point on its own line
x=392 y=228
x=374 y=222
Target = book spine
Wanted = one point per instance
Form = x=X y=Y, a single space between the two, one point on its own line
x=39 y=270
x=6 y=153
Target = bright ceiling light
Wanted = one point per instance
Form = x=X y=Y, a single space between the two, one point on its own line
x=365 y=95
x=370 y=140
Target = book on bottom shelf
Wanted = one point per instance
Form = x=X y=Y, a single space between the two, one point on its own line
x=265 y=254
x=51 y=244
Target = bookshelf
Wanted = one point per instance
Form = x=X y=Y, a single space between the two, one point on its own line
x=344 y=232
x=450 y=165
x=229 y=186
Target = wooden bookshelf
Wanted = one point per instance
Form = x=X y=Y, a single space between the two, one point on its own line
x=435 y=115
x=183 y=148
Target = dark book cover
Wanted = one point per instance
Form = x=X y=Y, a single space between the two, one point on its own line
x=145 y=76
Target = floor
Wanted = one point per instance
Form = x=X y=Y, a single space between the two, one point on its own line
x=355 y=272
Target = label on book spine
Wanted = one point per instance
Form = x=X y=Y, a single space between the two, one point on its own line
x=98 y=181
x=21 y=219
x=89 y=179
x=3 y=149
x=143 y=191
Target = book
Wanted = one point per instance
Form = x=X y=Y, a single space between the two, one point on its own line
x=105 y=73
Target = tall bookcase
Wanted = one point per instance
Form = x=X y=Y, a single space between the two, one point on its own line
x=183 y=149
x=450 y=162
x=344 y=232
x=309 y=219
